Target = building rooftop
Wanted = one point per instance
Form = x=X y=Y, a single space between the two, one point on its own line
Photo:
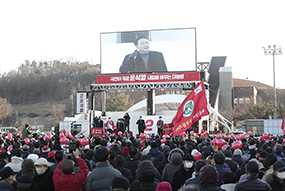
x=243 y=83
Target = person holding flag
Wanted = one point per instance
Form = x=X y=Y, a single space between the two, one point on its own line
x=192 y=109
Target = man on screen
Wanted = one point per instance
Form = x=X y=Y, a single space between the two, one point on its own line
x=142 y=59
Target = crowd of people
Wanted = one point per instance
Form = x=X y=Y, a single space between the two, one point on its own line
x=186 y=162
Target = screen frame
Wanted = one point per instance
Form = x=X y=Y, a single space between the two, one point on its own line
x=172 y=71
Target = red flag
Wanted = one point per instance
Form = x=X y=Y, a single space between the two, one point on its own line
x=192 y=109
x=283 y=125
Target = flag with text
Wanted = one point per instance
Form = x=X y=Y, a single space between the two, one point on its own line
x=192 y=109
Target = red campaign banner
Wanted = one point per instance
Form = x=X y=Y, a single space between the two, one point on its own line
x=148 y=78
x=97 y=132
x=167 y=129
x=192 y=109
x=283 y=125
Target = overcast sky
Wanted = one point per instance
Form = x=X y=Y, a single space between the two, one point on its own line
x=36 y=30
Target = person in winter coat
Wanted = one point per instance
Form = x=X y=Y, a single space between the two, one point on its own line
x=164 y=161
x=24 y=181
x=7 y=179
x=228 y=160
x=278 y=176
x=221 y=167
x=132 y=162
x=229 y=181
x=16 y=160
x=118 y=164
x=175 y=160
x=163 y=186
x=101 y=177
x=197 y=167
x=26 y=132
x=3 y=159
x=120 y=183
x=43 y=178
x=141 y=125
x=270 y=159
x=209 y=178
x=146 y=178
x=184 y=172
x=64 y=177
x=127 y=122
x=252 y=182
x=237 y=157
x=154 y=153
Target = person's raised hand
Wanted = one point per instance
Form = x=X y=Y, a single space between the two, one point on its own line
x=75 y=154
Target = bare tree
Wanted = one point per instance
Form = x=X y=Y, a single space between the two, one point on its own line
x=5 y=109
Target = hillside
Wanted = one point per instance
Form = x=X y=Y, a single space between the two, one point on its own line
x=39 y=92
x=44 y=113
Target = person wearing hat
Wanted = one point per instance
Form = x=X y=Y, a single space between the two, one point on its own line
x=64 y=177
x=45 y=151
x=278 y=176
x=142 y=59
x=184 y=172
x=7 y=178
x=43 y=178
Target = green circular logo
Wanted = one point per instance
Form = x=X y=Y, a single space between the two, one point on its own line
x=188 y=108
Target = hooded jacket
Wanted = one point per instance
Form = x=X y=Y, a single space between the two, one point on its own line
x=209 y=178
x=172 y=167
x=15 y=163
x=237 y=156
x=146 y=178
x=27 y=175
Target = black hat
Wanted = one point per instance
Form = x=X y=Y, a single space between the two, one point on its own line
x=6 y=172
x=17 y=152
x=279 y=165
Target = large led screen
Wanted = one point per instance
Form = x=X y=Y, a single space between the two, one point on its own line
x=165 y=50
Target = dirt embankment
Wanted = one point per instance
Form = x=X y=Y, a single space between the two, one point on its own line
x=46 y=114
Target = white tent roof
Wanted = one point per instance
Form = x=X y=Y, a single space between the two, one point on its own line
x=161 y=99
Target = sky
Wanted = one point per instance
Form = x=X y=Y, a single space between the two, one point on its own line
x=43 y=30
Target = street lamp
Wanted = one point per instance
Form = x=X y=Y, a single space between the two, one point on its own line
x=273 y=51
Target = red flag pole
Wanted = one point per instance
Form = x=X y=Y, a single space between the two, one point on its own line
x=283 y=124
x=192 y=109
